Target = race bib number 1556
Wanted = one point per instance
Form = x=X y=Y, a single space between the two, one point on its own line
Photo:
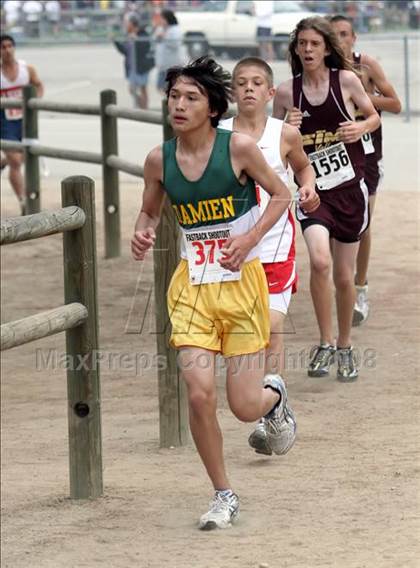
x=332 y=166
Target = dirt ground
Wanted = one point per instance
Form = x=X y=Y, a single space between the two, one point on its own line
x=346 y=496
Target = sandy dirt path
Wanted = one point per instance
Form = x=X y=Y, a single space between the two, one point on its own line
x=346 y=496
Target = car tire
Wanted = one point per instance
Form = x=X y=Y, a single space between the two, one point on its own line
x=197 y=45
x=281 y=45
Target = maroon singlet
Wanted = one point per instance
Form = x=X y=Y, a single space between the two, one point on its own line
x=319 y=127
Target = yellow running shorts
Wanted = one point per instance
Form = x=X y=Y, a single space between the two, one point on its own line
x=228 y=317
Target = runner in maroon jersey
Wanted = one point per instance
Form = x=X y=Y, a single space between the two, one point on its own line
x=320 y=99
x=383 y=96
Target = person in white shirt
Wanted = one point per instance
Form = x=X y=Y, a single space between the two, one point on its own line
x=169 y=48
x=53 y=13
x=32 y=10
x=11 y=10
x=263 y=10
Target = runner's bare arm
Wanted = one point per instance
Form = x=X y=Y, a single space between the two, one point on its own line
x=283 y=100
x=352 y=88
x=283 y=105
x=248 y=159
x=153 y=196
x=35 y=81
x=291 y=140
x=386 y=97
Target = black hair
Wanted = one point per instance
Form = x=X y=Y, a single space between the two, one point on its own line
x=257 y=62
x=170 y=17
x=7 y=37
x=341 y=18
x=210 y=78
x=335 y=60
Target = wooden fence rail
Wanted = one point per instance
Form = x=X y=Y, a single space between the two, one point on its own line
x=42 y=325
x=78 y=318
x=172 y=400
x=16 y=229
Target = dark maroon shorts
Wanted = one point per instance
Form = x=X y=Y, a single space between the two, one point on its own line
x=344 y=212
x=373 y=173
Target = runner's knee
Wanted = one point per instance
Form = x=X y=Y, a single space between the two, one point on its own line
x=14 y=161
x=321 y=264
x=202 y=400
x=344 y=279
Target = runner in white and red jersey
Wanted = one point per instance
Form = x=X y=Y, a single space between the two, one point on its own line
x=320 y=99
x=384 y=98
x=281 y=145
x=15 y=75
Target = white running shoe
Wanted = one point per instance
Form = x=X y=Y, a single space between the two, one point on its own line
x=361 y=307
x=222 y=513
x=280 y=422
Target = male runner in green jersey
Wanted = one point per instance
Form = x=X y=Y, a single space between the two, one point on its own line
x=218 y=296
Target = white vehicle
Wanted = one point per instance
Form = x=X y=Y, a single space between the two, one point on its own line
x=229 y=26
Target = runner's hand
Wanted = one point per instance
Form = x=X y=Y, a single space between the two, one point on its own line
x=294 y=117
x=350 y=131
x=308 y=199
x=235 y=251
x=141 y=242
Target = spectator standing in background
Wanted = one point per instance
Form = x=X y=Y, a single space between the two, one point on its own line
x=32 y=10
x=169 y=49
x=53 y=14
x=138 y=60
x=11 y=10
x=264 y=10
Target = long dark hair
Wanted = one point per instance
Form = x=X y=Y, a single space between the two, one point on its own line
x=211 y=79
x=336 y=59
x=169 y=17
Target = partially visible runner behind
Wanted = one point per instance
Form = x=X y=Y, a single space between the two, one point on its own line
x=15 y=74
x=320 y=99
x=384 y=97
x=218 y=296
x=281 y=145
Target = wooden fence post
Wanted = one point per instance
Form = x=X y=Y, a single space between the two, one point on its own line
x=30 y=135
x=173 y=408
x=83 y=385
x=110 y=177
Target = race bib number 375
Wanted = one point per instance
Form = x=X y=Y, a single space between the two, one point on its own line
x=332 y=166
x=203 y=249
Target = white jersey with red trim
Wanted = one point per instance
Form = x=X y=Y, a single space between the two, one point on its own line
x=14 y=89
x=278 y=243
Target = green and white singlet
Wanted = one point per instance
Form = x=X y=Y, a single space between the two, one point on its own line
x=210 y=210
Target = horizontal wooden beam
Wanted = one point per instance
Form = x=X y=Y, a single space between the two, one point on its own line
x=148 y=116
x=42 y=325
x=10 y=103
x=62 y=154
x=27 y=227
x=72 y=108
x=124 y=166
x=12 y=145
